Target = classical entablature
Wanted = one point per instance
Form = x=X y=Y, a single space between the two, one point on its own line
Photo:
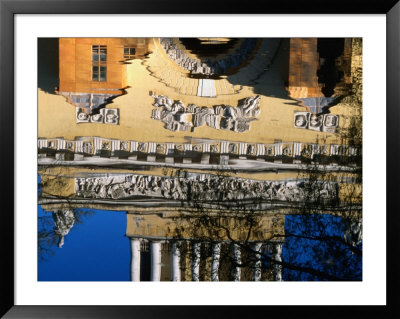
x=201 y=154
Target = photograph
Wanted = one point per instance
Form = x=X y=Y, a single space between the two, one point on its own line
x=199 y=159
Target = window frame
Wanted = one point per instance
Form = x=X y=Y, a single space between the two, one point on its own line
x=129 y=55
x=99 y=65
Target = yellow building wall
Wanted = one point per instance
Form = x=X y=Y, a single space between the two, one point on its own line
x=153 y=225
x=57 y=117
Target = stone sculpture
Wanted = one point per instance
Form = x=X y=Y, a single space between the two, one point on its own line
x=63 y=222
x=177 y=117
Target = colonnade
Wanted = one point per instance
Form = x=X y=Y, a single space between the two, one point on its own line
x=155 y=248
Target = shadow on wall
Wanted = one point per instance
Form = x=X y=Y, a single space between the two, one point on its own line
x=262 y=64
x=271 y=81
x=48 y=67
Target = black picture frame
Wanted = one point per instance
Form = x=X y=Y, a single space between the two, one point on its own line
x=8 y=10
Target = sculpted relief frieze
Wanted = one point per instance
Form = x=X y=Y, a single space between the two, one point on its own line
x=201 y=187
x=178 y=117
x=105 y=116
x=324 y=122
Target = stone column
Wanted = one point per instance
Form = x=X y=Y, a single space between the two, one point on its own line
x=236 y=255
x=135 y=259
x=175 y=262
x=277 y=256
x=256 y=247
x=216 y=250
x=155 y=257
x=195 y=261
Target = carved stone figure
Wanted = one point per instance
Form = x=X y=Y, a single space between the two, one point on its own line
x=111 y=117
x=197 y=147
x=331 y=122
x=105 y=145
x=163 y=101
x=315 y=122
x=87 y=147
x=214 y=148
x=124 y=146
x=269 y=151
x=97 y=118
x=81 y=116
x=160 y=148
x=300 y=120
x=142 y=147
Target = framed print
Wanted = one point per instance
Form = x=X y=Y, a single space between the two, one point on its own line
x=163 y=167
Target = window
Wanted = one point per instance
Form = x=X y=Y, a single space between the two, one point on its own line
x=99 y=73
x=129 y=53
x=99 y=60
x=99 y=53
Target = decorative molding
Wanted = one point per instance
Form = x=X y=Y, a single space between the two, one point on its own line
x=95 y=145
x=324 y=122
x=203 y=187
x=105 y=116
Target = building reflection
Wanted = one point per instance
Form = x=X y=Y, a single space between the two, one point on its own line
x=168 y=245
x=209 y=122
x=181 y=248
x=174 y=246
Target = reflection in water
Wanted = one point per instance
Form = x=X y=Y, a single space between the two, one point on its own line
x=63 y=222
x=200 y=159
x=174 y=247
